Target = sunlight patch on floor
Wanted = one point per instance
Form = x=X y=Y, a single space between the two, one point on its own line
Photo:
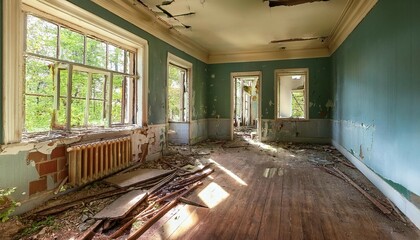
x=261 y=145
x=213 y=194
x=181 y=222
x=228 y=172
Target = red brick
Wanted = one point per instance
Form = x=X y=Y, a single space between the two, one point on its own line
x=37 y=186
x=47 y=167
x=54 y=177
x=61 y=175
x=61 y=163
x=37 y=157
x=58 y=152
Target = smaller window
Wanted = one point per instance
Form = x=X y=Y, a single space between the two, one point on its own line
x=291 y=93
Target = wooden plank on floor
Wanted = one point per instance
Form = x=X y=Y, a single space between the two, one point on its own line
x=208 y=226
x=122 y=205
x=286 y=208
x=176 y=225
x=251 y=220
x=311 y=219
x=187 y=224
x=154 y=231
x=137 y=176
x=270 y=221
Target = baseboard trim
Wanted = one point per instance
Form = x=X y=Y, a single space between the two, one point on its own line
x=402 y=203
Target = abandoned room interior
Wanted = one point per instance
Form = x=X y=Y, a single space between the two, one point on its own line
x=210 y=119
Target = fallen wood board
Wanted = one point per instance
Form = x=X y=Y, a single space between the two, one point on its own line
x=137 y=176
x=122 y=205
x=367 y=195
x=90 y=232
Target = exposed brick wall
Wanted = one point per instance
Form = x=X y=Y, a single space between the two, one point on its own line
x=38 y=185
x=52 y=165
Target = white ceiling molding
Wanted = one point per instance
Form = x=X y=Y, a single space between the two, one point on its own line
x=143 y=18
x=268 y=56
x=353 y=14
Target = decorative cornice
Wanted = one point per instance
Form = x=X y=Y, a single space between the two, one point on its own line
x=143 y=18
x=268 y=55
x=352 y=15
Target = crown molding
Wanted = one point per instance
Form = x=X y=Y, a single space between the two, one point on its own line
x=353 y=14
x=142 y=17
x=145 y=19
x=267 y=55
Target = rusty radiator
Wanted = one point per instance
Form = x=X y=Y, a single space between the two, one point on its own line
x=91 y=161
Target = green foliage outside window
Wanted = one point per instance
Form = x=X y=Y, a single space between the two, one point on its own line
x=74 y=47
x=298 y=104
x=175 y=91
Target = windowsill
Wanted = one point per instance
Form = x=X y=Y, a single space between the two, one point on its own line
x=96 y=132
x=293 y=119
x=178 y=122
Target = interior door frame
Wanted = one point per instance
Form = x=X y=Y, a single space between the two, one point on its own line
x=180 y=62
x=233 y=76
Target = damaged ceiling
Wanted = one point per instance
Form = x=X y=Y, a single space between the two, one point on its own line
x=237 y=26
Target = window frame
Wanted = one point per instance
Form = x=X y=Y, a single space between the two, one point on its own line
x=183 y=64
x=76 y=18
x=288 y=72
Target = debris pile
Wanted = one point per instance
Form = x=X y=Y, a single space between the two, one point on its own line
x=134 y=199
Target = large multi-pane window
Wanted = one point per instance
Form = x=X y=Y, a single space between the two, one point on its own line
x=75 y=80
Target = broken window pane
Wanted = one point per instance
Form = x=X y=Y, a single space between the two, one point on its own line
x=79 y=84
x=95 y=113
x=39 y=91
x=298 y=104
x=61 y=118
x=71 y=45
x=97 y=101
x=95 y=53
x=39 y=79
x=117 y=98
x=38 y=113
x=41 y=37
x=78 y=107
x=78 y=94
x=115 y=58
x=47 y=103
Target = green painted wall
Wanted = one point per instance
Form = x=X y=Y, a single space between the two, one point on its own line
x=376 y=74
x=158 y=51
x=1 y=69
x=320 y=85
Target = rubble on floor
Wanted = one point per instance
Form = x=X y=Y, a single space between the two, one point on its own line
x=123 y=205
x=109 y=209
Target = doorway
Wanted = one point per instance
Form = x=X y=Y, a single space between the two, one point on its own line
x=246 y=105
x=178 y=110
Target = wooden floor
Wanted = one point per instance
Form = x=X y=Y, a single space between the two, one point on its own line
x=300 y=201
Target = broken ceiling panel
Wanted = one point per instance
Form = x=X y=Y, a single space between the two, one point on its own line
x=276 y=3
x=170 y=11
x=248 y=26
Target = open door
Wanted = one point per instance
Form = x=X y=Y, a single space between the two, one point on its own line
x=246 y=107
x=178 y=112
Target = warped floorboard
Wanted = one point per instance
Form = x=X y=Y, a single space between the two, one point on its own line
x=300 y=201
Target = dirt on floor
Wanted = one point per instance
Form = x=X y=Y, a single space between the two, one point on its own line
x=72 y=222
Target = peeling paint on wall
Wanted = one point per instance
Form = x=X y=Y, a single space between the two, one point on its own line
x=315 y=130
x=359 y=140
x=44 y=147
